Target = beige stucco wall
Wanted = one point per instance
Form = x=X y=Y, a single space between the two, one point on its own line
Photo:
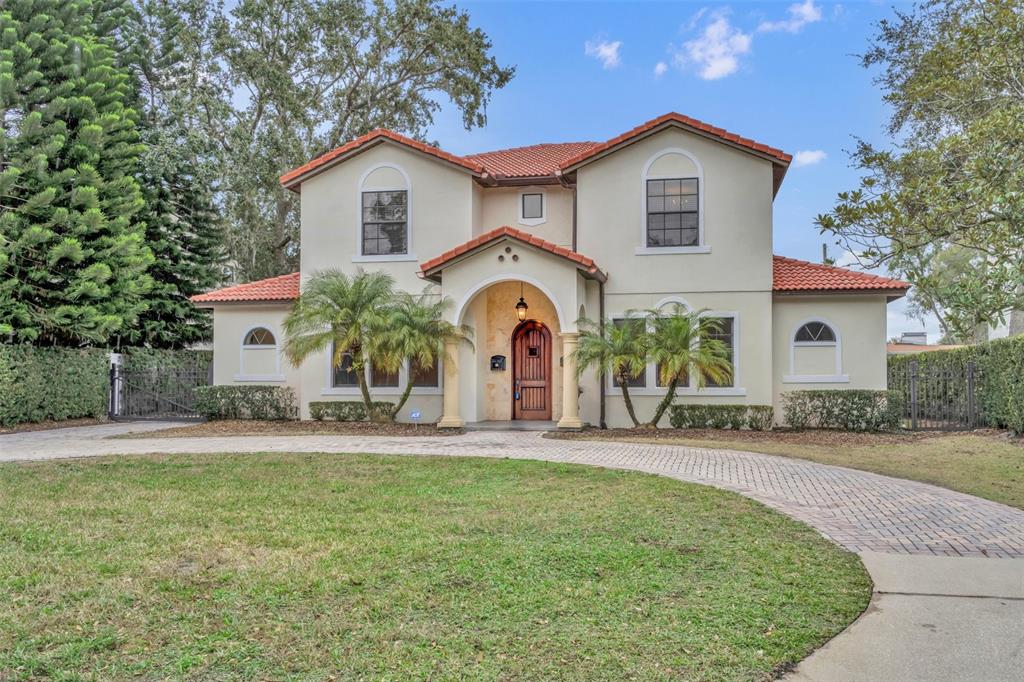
x=231 y=323
x=500 y=207
x=737 y=208
x=441 y=209
x=860 y=325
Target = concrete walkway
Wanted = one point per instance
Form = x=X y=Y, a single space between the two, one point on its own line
x=937 y=613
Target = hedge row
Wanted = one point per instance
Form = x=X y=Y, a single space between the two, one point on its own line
x=346 y=410
x=246 y=402
x=999 y=376
x=848 y=410
x=754 y=417
x=40 y=383
x=138 y=359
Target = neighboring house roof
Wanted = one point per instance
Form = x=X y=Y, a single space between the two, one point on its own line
x=539 y=162
x=293 y=178
x=283 y=288
x=431 y=267
x=901 y=348
x=790 y=275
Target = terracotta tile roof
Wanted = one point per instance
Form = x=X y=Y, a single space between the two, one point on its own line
x=289 y=179
x=897 y=348
x=537 y=160
x=283 y=288
x=673 y=117
x=584 y=263
x=790 y=274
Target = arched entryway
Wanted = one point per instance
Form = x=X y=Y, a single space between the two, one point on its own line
x=531 y=371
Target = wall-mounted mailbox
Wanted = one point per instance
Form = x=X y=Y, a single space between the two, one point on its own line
x=498 y=363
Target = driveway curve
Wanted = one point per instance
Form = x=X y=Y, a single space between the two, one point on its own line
x=860 y=511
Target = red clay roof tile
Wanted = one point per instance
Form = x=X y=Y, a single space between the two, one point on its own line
x=501 y=232
x=790 y=274
x=539 y=160
x=283 y=288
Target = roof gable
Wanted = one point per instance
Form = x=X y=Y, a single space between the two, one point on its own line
x=432 y=267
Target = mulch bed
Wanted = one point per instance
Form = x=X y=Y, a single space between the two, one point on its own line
x=48 y=425
x=810 y=437
x=246 y=427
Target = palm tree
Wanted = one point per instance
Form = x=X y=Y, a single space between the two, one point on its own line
x=415 y=329
x=682 y=345
x=615 y=348
x=337 y=309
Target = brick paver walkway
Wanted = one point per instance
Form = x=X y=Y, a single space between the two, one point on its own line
x=859 y=510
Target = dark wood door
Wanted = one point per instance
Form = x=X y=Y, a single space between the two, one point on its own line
x=531 y=371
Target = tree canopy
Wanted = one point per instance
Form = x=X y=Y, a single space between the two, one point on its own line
x=944 y=205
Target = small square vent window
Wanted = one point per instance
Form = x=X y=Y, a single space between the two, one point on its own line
x=533 y=206
x=533 y=352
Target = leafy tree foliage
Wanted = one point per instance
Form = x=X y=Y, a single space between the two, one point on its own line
x=277 y=82
x=944 y=207
x=72 y=247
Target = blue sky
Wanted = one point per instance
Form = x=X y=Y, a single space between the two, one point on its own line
x=784 y=74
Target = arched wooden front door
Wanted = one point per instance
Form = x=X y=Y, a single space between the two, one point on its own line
x=531 y=371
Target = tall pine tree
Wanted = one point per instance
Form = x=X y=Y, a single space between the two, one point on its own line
x=72 y=244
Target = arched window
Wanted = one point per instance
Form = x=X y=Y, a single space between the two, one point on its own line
x=815 y=354
x=672 y=204
x=258 y=357
x=815 y=332
x=385 y=220
x=260 y=336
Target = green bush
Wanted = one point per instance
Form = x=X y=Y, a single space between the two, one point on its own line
x=848 y=410
x=40 y=383
x=758 y=417
x=345 y=411
x=999 y=378
x=140 y=359
x=273 y=403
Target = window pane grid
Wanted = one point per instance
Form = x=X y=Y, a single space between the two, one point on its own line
x=672 y=212
x=423 y=377
x=343 y=376
x=385 y=223
x=724 y=333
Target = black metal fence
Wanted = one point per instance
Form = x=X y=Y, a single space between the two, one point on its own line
x=155 y=392
x=945 y=398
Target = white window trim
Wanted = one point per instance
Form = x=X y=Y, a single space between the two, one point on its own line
x=533 y=222
x=409 y=254
x=403 y=379
x=243 y=346
x=702 y=245
x=651 y=372
x=837 y=378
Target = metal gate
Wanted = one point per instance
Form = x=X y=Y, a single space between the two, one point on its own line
x=155 y=392
x=939 y=398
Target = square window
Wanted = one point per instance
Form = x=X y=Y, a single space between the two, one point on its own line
x=424 y=377
x=533 y=352
x=380 y=378
x=533 y=206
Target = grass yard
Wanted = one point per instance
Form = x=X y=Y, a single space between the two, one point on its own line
x=986 y=464
x=279 y=566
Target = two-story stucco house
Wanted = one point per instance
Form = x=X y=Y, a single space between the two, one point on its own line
x=673 y=211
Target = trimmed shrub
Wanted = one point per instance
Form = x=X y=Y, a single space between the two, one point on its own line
x=758 y=417
x=847 y=410
x=40 y=383
x=273 y=403
x=140 y=359
x=345 y=411
x=999 y=378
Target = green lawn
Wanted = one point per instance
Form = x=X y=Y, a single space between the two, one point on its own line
x=280 y=566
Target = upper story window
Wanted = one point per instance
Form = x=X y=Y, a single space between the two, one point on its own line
x=532 y=208
x=672 y=212
x=385 y=223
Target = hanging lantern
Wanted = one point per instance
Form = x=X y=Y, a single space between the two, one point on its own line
x=521 y=307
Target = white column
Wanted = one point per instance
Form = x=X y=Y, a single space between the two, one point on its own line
x=570 y=386
x=450 y=418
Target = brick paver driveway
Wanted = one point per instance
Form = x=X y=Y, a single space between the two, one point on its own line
x=859 y=510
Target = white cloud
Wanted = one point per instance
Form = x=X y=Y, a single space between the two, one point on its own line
x=848 y=259
x=809 y=157
x=607 y=52
x=659 y=69
x=800 y=14
x=717 y=50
